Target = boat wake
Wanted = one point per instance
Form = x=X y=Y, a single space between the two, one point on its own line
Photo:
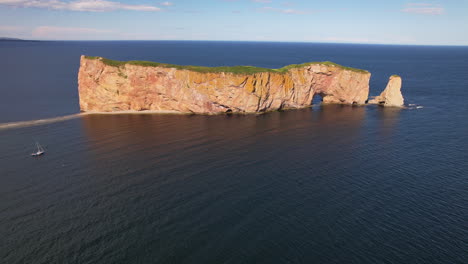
x=414 y=106
x=38 y=122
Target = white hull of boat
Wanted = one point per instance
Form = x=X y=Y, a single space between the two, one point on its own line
x=40 y=151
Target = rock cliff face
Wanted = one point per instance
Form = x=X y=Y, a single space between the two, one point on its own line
x=391 y=96
x=107 y=86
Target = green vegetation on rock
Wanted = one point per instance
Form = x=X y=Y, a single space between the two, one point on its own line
x=227 y=69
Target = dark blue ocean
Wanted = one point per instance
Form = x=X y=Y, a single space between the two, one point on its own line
x=329 y=184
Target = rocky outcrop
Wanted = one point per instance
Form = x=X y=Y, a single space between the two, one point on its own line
x=108 y=86
x=391 y=96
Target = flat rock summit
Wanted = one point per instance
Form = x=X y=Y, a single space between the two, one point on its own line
x=113 y=86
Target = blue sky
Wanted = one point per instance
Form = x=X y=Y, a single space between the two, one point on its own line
x=426 y=22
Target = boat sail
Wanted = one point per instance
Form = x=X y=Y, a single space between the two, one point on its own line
x=40 y=150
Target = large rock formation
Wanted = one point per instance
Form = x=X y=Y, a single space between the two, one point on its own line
x=107 y=86
x=391 y=96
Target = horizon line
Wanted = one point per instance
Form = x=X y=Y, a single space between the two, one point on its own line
x=253 y=41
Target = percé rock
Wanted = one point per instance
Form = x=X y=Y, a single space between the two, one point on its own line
x=391 y=96
x=107 y=86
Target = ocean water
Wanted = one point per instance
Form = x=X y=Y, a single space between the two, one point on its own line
x=329 y=184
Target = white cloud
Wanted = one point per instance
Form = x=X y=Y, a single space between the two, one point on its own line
x=284 y=11
x=262 y=1
x=292 y=11
x=423 y=8
x=167 y=4
x=79 y=5
x=419 y=4
x=288 y=3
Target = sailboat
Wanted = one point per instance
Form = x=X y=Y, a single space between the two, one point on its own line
x=40 y=150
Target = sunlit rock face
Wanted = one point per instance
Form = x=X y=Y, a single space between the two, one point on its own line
x=108 y=88
x=391 y=96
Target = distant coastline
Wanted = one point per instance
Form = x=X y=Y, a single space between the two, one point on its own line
x=17 y=39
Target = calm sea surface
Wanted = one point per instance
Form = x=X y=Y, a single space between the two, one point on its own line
x=330 y=184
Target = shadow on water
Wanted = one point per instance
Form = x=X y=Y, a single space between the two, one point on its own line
x=389 y=119
x=166 y=133
x=383 y=123
x=349 y=119
x=183 y=137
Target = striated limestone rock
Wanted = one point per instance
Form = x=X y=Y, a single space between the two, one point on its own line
x=108 y=86
x=391 y=96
